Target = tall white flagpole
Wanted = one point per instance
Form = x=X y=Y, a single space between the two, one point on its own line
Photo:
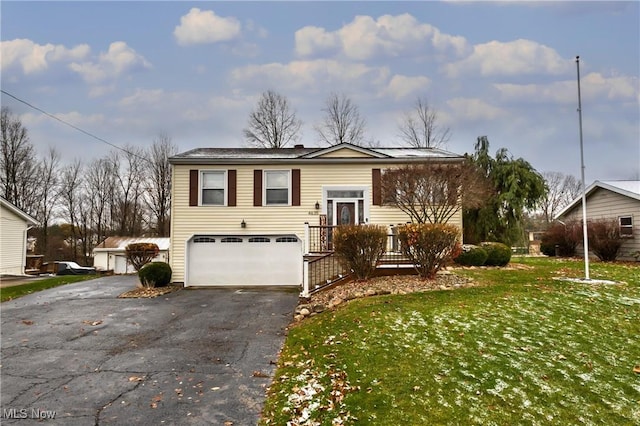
x=585 y=237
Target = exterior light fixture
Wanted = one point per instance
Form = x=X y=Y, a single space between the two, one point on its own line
x=317 y=205
x=243 y=224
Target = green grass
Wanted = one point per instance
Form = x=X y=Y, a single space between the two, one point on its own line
x=13 y=292
x=522 y=349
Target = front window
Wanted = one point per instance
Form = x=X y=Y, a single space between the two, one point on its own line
x=213 y=188
x=626 y=226
x=277 y=187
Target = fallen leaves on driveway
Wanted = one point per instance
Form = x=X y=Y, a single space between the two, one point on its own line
x=146 y=292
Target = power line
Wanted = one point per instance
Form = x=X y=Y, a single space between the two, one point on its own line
x=72 y=126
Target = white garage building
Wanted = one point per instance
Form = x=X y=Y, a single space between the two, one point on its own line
x=110 y=254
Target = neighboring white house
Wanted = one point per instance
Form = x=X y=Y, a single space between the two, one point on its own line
x=615 y=200
x=14 y=224
x=110 y=254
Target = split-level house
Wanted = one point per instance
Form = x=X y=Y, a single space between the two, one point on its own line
x=243 y=216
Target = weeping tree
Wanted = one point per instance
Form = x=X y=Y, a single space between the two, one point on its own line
x=517 y=187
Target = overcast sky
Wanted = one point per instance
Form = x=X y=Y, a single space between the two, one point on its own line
x=127 y=71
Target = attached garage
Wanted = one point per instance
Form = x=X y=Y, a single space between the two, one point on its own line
x=237 y=260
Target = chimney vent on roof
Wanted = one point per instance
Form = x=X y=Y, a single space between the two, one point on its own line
x=298 y=146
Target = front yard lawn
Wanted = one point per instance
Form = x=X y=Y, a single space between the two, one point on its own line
x=9 y=293
x=522 y=349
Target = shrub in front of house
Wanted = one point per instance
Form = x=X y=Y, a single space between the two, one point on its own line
x=471 y=256
x=604 y=239
x=430 y=246
x=498 y=254
x=155 y=274
x=565 y=237
x=360 y=247
x=139 y=254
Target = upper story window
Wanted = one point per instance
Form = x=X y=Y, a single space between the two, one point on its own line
x=277 y=188
x=626 y=226
x=213 y=188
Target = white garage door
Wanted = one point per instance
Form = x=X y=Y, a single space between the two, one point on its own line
x=244 y=260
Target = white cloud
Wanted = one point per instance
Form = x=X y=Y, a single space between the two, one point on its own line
x=474 y=109
x=311 y=75
x=118 y=60
x=312 y=40
x=511 y=58
x=366 y=37
x=401 y=86
x=34 y=58
x=592 y=85
x=204 y=26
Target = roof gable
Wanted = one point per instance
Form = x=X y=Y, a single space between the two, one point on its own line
x=345 y=150
x=627 y=188
x=120 y=243
x=18 y=212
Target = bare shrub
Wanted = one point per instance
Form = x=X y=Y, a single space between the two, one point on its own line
x=430 y=246
x=360 y=247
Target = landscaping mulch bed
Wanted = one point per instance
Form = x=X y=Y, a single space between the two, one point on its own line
x=392 y=284
x=146 y=292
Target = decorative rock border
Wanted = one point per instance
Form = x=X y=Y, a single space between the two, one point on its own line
x=394 y=284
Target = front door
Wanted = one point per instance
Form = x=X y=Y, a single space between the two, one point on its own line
x=346 y=213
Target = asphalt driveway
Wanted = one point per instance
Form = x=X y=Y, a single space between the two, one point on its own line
x=203 y=356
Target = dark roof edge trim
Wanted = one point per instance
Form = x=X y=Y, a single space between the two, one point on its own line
x=258 y=162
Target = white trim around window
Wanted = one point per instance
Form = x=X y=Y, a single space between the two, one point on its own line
x=626 y=226
x=214 y=182
x=276 y=183
x=359 y=194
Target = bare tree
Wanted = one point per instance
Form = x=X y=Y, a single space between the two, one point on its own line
x=71 y=200
x=100 y=186
x=49 y=194
x=561 y=190
x=273 y=124
x=129 y=169
x=342 y=122
x=420 y=128
x=18 y=164
x=158 y=200
x=434 y=192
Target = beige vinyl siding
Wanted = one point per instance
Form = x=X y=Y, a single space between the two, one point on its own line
x=268 y=220
x=12 y=243
x=603 y=203
x=345 y=153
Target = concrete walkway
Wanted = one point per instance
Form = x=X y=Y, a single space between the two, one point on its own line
x=198 y=357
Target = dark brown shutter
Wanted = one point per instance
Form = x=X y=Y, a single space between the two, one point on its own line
x=193 y=187
x=232 y=187
x=377 y=191
x=295 y=187
x=257 y=188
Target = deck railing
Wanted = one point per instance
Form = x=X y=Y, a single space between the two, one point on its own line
x=322 y=267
